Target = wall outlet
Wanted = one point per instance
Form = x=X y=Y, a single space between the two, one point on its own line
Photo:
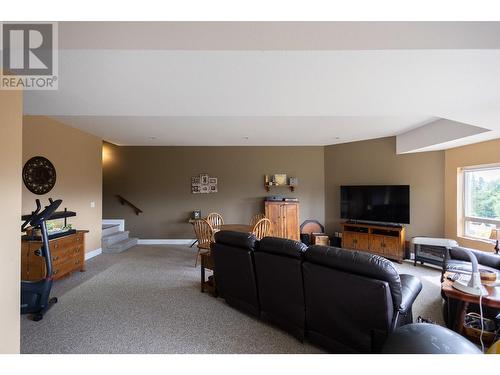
x=92 y=204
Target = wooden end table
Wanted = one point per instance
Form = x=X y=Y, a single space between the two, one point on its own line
x=463 y=299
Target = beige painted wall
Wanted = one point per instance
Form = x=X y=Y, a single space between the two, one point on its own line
x=77 y=158
x=466 y=156
x=376 y=162
x=158 y=181
x=11 y=112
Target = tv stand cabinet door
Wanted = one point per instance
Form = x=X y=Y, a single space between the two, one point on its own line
x=348 y=240
x=392 y=248
x=355 y=241
x=377 y=244
x=362 y=241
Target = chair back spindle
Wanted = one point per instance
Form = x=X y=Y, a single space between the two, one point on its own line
x=262 y=228
x=256 y=218
x=215 y=220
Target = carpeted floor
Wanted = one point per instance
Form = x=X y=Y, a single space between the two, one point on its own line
x=147 y=300
x=429 y=302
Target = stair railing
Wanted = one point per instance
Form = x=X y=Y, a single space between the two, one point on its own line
x=123 y=201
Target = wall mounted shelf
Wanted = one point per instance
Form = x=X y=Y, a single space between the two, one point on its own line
x=269 y=182
x=268 y=186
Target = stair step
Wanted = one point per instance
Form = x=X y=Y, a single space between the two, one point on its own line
x=114 y=238
x=108 y=229
x=120 y=246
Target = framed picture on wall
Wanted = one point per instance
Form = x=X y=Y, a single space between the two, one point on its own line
x=203 y=184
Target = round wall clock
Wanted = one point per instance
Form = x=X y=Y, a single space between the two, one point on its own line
x=39 y=175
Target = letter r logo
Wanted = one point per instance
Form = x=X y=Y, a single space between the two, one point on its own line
x=27 y=49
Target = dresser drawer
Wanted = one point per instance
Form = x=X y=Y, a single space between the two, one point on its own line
x=63 y=268
x=78 y=250
x=73 y=240
x=63 y=253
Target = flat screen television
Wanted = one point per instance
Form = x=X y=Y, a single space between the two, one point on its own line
x=376 y=203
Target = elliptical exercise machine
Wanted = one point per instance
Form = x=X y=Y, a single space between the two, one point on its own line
x=35 y=294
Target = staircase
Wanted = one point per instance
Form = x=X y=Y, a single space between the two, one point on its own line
x=115 y=240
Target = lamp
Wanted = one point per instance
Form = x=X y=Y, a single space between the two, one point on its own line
x=494 y=236
x=474 y=286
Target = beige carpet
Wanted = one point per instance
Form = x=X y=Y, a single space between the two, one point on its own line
x=147 y=300
x=428 y=303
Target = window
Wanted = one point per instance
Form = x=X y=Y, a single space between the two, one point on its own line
x=481 y=202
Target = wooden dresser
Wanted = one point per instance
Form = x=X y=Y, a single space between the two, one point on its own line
x=387 y=241
x=68 y=255
x=284 y=218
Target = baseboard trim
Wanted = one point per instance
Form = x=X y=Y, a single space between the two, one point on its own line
x=93 y=253
x=165 y=242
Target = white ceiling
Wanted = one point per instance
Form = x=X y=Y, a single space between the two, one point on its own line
x=230 y=130
x=214 y=93
x=281 y=36
x=437 y=135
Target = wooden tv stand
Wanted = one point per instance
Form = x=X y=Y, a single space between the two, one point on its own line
x=387 y=241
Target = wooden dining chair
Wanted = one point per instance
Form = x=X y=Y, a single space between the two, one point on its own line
x=256 y=218
x=215 y=220
x=204 y=235
x=262 y=228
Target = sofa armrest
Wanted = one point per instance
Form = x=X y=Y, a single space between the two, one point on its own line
x=484 y=258
x=410 y=289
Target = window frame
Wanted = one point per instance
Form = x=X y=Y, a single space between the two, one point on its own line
x=466 y=202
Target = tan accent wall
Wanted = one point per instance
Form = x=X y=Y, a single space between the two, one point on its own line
x=158 y=181
x=376 y=162
x=77 y=158
x=11 y=112
x=467 y=156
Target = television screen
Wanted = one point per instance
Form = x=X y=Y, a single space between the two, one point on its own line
x=376 y=203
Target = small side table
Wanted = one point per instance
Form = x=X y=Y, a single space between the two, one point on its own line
x=463 y=299
x=207 y=262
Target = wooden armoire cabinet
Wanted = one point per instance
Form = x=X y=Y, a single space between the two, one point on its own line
x=284 y=218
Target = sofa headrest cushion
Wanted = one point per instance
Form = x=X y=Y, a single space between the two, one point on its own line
x=282 y=246
x=364 y=264
x=236 y=239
